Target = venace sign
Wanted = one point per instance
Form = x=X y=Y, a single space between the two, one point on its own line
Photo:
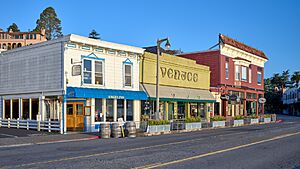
x=178 y=74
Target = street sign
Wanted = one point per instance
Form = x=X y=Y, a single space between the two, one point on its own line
x=262 y=100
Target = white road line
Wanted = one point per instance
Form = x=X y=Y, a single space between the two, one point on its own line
x=8 y=135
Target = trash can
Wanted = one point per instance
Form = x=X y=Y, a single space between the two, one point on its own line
x=130 y=129
x=104 y=131
x=116 y=130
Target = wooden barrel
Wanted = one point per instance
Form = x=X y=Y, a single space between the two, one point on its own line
x=104 y=131
x=116 y=130
x=131 y=129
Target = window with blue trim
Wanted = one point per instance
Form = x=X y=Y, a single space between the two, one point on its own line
x=128 y=75
x=99 y=80
x=87 y=71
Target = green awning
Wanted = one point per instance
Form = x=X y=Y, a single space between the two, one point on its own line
x=169 y=93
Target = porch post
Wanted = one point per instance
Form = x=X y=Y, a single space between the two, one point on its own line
x=115 y=110
x=30 y=108
x=125 y=110
x=104 y=109
x=11 y=108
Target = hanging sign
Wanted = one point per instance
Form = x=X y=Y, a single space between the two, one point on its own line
x=76 y=70
x=262 y=100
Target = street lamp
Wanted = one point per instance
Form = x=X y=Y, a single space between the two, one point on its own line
x=167 y=45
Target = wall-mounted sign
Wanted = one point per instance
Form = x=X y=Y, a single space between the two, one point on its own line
x=116 y=97
x=262 y=100
x=226 y=97
x=76 y=70
x=178 y=74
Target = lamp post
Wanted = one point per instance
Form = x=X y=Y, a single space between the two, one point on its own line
x=159 y=41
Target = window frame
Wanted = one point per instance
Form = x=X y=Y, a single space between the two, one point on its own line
x=102 y=62
x=226 y=70
x=259 y=81
x=124 y=74
x=237 y=73
x=244 y=73
x=84 y=71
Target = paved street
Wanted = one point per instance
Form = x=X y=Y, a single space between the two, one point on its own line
x=258 y=146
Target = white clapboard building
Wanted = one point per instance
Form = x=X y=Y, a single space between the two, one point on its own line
x=71 y=83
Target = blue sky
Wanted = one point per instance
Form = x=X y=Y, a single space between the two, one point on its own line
x=270 y=25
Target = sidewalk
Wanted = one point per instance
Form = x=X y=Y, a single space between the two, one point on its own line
x=46 y=139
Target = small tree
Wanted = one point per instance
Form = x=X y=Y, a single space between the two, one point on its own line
x=14 y=27
x=296 y=78
x=49 y=21
x=94 y=35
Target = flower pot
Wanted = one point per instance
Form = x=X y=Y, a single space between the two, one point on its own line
x=254 y=121
x=193 y=126
x=158 y=128
x=267 y=120
x=238 y=122
x=218 y=124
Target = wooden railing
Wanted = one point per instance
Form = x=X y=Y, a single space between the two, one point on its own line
x=50 y=126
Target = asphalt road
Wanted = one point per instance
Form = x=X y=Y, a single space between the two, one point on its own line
x=259 y=146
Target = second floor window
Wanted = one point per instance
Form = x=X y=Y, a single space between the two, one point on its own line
x=87 y=71
x=128 y=75
x=99 y=73
x=259 y=78
x=250 y=75
x=226 y=70
x=237 y=72
x=244 y=73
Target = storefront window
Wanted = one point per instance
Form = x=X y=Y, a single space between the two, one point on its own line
x=181 y=110
x=7 y=109
x=35 y=108
x=129 y=114
x=120 y=109
x=194 y=110
x=98 y=110
x=15 y=109
x=25 y=108
x=109 y=110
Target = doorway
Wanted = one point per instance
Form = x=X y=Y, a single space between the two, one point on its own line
x=75 y=116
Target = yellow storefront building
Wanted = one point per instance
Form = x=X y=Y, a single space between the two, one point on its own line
x=183 y=87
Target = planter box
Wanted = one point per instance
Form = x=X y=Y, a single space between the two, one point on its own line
x=193 y=126
x=254 y=121
x=273 y=117
x=267 y=120
x=158 y=128
x=238 y=122
x=218 y=124
x=205 y=124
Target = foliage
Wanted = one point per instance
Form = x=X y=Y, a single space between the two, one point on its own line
x=94 y=35
x=158 y=122
x=14 y=27
x=267 y=115
x=238 y=117
x=296 y=78
x=193 y=120
x=253 y=116
x=217 y=118
x=49 y=21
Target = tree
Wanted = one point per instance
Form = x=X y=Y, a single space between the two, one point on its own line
x=285 y=77
x=49 y=21
x=296 y=78
x=14 y=27
x=94 y=35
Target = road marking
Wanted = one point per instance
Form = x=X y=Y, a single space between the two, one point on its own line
x=16 y=145
x=215 y=152
x=8 y=135
x=113 y=152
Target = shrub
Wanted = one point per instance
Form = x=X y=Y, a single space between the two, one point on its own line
x=217 y=118
x=267 y=115
x=238 y=117
x=157 y=122
x=193 y=119
x=253 y=116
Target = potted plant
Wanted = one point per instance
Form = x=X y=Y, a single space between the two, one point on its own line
x=157 y=126
x=238 y=120
x=254 y=119
x=267 y=118
x=193 y=123
x=217 y=121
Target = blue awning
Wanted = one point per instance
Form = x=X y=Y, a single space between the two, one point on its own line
x=79 y=92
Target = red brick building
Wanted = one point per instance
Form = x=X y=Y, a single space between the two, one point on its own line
x=237 y=76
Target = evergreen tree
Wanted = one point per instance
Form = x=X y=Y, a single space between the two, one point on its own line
x=94 y=35
x=50 y=22
x=14 y=28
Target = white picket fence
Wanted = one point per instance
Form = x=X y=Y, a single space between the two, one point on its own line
x=49 y=125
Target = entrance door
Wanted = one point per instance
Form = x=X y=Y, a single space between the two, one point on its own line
x=75 y=116
x=171 y=111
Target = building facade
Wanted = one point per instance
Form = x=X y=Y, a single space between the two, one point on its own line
x=291 y=101
x=237 y=76
x=183 y=90
x=78 y=81
x=10 y=40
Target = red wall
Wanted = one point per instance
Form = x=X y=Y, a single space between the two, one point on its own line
x=216 y=62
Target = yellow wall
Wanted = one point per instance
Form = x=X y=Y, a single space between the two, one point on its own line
x=174 y=71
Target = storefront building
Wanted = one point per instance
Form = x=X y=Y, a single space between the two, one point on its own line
x=183 y=91
x=237 y=76
x=78 y=81
x=291 y=101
